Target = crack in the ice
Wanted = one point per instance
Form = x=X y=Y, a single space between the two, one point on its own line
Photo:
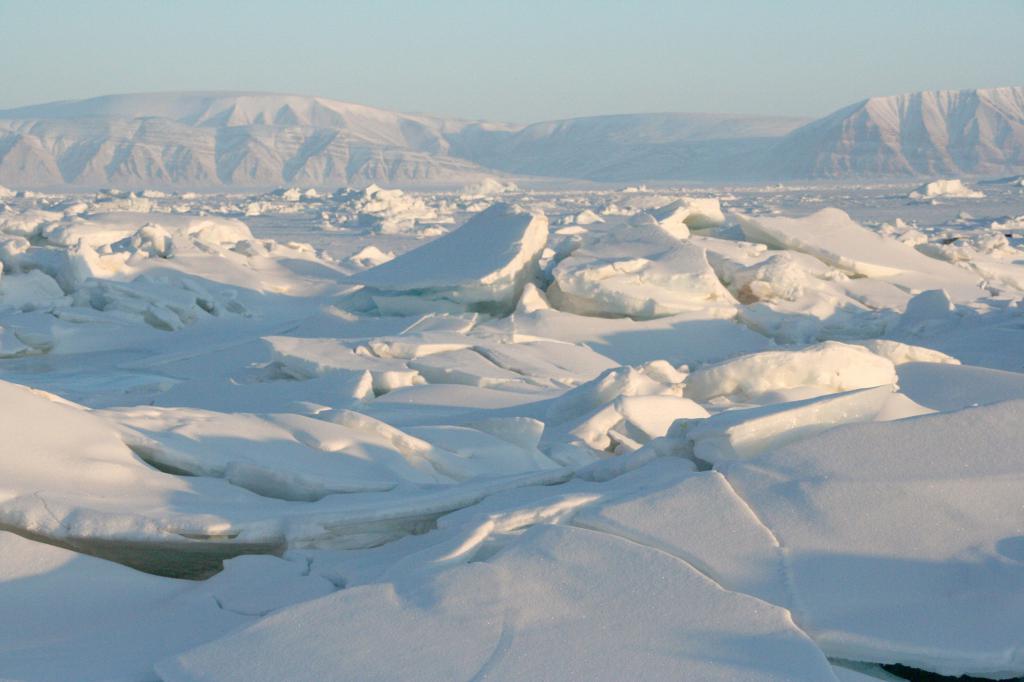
x=501 y=647
x=703 y=570
x=56 y=519
x=796 y=605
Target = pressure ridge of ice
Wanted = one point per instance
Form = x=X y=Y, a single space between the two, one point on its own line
x=753 y=433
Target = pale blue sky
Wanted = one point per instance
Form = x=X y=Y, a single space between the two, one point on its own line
x=523 y=60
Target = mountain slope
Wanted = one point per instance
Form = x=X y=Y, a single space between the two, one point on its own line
x=223 y=139
x=973 y=132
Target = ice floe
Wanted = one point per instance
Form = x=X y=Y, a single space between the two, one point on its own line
x=692 y=433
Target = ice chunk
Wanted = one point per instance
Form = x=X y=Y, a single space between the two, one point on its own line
x=476 y=453
x=639 y=271
x=945 y=188
x=831 y=235
x=153 y=240
x=547 y=362
x=618 y=412
x=830 y=366
x=505 y=241
x=388 y=211
x=746 y=433
x=288 y=457
x=486 y=187
x=704 y=336
x=302 y=358
x=687 y=213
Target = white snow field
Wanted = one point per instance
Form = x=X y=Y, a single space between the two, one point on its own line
x=731 y=433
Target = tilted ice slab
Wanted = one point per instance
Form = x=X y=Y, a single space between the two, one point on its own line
x=704 y=336
x=285 y=456
x=546 y=362
x=831 y=235
x=302 y=358
x=69 y=616
x=505 y=242
x=82 y=487
x=558 y=603
x=638 y=270
x=902 y=540
x=746 y=433
x=829 y=367
x=478 y=453
x=442 y=358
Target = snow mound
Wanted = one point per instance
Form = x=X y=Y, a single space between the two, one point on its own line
x=506 y=241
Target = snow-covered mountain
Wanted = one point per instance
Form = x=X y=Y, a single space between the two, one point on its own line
x=973 y=132
x=211 y=140
x=218 y=140
x=630 y=147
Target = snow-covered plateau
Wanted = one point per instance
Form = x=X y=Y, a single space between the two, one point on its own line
x=694 y=433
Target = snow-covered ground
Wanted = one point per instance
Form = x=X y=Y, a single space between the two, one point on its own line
x=700 y=433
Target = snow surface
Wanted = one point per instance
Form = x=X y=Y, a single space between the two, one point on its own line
x=744 y=433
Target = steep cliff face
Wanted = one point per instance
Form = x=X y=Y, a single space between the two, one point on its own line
x=976 y=132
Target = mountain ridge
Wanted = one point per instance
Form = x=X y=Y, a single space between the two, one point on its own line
x=974 y=132
x=214 y=140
